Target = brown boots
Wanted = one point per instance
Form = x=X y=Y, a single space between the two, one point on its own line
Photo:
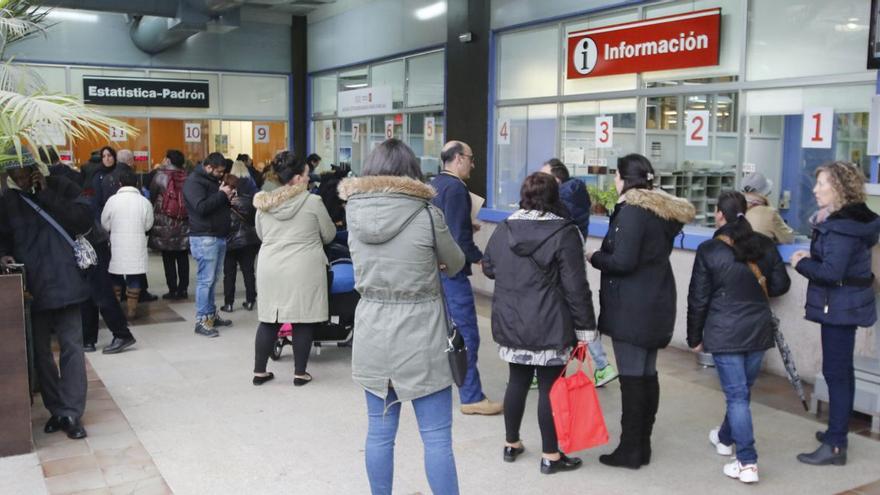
x=131 y=303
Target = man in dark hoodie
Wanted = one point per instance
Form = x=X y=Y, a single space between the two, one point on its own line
x=207 y=202
x=454 y=199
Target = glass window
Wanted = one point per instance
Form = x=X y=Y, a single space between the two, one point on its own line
x=266 y=96
x=325 y=139
x=353 y=79
x=806 y=38
x=528 y=64
x=390 y=74
x=426 y=80
x=620 y=82
x=324 y=95
x=426 y=148
x=533 y=131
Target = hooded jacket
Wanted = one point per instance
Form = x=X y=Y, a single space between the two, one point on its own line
x=400 y=319
x=765 y=219
x=128 y=217
x=206 y=206
x=637 y=295
x=292 y=266
x=168 y=234
x=541 y=292
x=576 y=199
x=727 y=308
x=243 y=232
x=839 y=268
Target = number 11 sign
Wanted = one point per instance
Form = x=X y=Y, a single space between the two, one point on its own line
x=817 y=127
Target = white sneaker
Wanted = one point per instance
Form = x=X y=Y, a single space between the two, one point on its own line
x=746 y=473
x=720 y=448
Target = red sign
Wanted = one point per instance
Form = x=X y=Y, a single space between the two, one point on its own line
x=671 y=42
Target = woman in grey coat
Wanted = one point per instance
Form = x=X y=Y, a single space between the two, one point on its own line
x=399 y=351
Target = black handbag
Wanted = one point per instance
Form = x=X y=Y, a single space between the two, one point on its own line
x=456 y=350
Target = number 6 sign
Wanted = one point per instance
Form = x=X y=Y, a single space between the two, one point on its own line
x=605 y=132
x=697 y=128
x=817 y=127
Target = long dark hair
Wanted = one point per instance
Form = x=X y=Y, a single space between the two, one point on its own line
x=540 y=192
x=746 y=245
x=287 y=166
x=636 y=172
x=112 y=153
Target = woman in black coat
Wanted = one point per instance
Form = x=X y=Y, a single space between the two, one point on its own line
x=637 y=298
x=840 y=295
x=541 y=307
x=729 y=316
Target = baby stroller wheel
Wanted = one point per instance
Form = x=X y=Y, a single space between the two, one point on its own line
x=276 y=350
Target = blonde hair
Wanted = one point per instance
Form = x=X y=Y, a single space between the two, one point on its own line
x=847 y=180
x=239 y=169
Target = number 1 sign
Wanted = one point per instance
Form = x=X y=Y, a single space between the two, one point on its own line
x=697 y=128
x=817 y=127
x=605 y=132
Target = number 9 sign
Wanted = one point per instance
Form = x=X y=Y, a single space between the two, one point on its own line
x=697 y=128
x=261 y=134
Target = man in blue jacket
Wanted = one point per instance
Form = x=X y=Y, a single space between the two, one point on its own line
x=454 y=199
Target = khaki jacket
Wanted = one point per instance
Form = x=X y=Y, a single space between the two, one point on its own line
x=766 y=220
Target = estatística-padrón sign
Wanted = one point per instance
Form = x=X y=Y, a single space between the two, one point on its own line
x=166 y=93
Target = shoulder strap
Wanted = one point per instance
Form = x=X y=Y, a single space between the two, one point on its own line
x=449 y=327
x=756 y=270
x=49 y=219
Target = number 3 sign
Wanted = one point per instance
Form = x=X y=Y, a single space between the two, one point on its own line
x=605 y=132
x=697 y=128
x=817 y=127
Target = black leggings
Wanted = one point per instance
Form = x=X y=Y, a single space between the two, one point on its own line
x=267 y=334
x=515 y=403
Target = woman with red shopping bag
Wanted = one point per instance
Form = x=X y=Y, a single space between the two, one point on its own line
x=541 y=308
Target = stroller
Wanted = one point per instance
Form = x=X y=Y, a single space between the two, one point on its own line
x=339 y=329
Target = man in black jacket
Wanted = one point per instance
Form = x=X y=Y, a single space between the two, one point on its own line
x=207 y=206
x=55 y=281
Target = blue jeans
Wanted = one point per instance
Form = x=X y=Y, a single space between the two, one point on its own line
x=737 y=372
x=838 y=344
x=460 y=300
x=434 y=415
x=597 y=352
x=209 y=253
x=128 y=281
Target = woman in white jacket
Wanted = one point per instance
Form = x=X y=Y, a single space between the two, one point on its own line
x=128 y=216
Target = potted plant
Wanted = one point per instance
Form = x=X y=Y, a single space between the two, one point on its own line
x=602 y=200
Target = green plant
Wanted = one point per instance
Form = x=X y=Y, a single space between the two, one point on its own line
x=29 y=113
x=607 y=197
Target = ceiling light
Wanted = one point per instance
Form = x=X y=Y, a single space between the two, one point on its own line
x=72 y=15
x=431 y=11
x=356 y=85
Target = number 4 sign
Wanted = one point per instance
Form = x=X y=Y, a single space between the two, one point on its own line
x=503 y=136
x=697 y=128
x=605 y=132
x=817 y=127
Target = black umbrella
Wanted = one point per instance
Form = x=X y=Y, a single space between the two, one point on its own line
x=788 y=361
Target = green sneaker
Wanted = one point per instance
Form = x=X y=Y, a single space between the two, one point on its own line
x=605 y=375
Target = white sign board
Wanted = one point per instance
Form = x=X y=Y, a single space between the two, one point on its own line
x=749 y=168
x=817 y=127
x=261 y=134
x=605 y=131
x=355 y=133
x=697 y=128
x=502 y=135
x=366 y=101
x=429 y=129
x=389 y=129
x=192 y=132
x=573 y=156
x=118 y=134
x=874 y=127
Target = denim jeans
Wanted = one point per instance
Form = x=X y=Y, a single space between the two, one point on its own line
x=597 y=352
x=208 y=253
x=460 y=300
x=128 y=281
x=737 y=372
x=838 y=343
x=434 y=416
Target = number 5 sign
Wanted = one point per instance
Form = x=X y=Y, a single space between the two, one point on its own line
x=605 y=132
x=697 y=128
x=817 y=127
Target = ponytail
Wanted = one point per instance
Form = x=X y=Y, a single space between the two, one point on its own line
x=746 y=246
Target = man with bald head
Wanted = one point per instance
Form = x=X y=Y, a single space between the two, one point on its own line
x=454 y=199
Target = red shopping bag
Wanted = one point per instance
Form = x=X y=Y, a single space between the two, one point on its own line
x=577 y=414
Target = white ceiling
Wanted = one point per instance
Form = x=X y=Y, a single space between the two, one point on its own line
x=296 y=7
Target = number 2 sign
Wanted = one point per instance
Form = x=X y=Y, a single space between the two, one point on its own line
x=605 y=132
x=697 y=128
x=817 y=127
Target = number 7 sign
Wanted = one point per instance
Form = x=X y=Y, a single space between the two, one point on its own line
x=697 y=128
x=605 y=132
x=817 y=127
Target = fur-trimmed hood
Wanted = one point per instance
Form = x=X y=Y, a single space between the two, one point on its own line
x=384 y=185
x=380 y=207
x=283 y=203
x=662 y=204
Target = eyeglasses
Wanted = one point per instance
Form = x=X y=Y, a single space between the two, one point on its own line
x=467 y=156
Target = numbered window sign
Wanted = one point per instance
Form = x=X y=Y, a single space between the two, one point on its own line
x=605 y=131
x=192 y=132
x=118 y=134
x=328 y=133
x=817 y=127
x=389 y=129
x=697 y=128
x=429 y=129
x=261 y=134
x=503 y=132
x=355 y=133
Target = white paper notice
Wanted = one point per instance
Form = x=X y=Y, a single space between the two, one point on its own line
x=192 y=132
x=503 y=132
x=389 y=129
x=429 y=129
x=605 y=131
x=697 y=128
x=573 y=156
x=817 y=127
x=261 y=134
x=355 y=133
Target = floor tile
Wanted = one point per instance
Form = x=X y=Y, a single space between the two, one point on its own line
x=78 y=481
x=63 y=449
x=69 y=465
x=130 y=455
x=113 y=441
x=122 y=474
x=149 y=486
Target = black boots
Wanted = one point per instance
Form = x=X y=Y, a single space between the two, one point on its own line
x=652 y=402
x=632 y=422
